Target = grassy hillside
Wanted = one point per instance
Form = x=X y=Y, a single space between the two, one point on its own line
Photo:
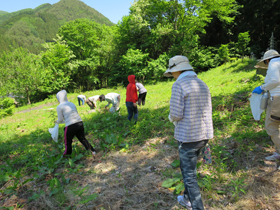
x=134 y=160
x=29 y=28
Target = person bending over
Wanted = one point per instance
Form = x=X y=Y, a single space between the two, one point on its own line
x=111 y=98
x=67 y=113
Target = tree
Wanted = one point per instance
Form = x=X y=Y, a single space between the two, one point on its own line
x=224 y=53
x=82 y=36
x=21 y=73
x=172 y=27
x=243 y=42
x=59 y=66
x=133 y=62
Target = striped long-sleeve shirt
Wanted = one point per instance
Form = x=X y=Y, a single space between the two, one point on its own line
x=191 y=107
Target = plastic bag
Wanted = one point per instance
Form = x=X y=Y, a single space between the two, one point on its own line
x=206 y=152
x=255 y=102
x=54 y=132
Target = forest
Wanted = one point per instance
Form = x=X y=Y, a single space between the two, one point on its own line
x=65 y=46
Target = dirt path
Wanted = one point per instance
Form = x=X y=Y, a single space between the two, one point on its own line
x=35 y=108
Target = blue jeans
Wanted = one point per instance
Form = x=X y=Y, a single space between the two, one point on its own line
x=79 y=100
x=188 y=160
x=131 y=109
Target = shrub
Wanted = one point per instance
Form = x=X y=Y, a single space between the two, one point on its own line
x=7 y=106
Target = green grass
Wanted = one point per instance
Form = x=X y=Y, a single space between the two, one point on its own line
x=28 y=153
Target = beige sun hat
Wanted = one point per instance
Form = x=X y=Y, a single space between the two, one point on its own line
x=268 y=55
x=178 y=63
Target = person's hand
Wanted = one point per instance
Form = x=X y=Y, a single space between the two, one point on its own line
x=258 y=90
x=135 y=104
x=170 y=118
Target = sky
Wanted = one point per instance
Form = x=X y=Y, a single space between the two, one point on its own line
x=114 y=10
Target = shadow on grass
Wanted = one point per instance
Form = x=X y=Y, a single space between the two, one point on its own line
x=130 y=179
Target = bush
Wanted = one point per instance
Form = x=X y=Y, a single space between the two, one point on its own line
x=7 y=106
x=204 y=58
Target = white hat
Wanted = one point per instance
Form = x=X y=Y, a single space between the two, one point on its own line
x=178 y=63
x=268 y=55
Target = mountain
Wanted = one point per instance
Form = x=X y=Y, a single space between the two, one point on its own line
x=67 y=10
x=30 y=28
x=2 y=12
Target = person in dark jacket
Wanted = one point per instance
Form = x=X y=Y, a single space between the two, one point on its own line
x=131 y=98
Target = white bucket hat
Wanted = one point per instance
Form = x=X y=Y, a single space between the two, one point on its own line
x=178 y=63
x=268 y=55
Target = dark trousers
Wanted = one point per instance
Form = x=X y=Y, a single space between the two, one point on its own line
x=77 y=130
x=142 y=98
x=90 y=104
x=131 y=109
x=188 y=159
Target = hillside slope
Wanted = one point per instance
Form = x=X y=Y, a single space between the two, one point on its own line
x=3 y=12
x=67 y=10
x=134 y=160
x=29 y=28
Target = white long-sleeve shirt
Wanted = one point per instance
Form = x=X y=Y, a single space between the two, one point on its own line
x=112 y=98
x=82 y=96
x=272 y=78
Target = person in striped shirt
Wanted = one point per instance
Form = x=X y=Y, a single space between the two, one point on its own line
x=191 y=113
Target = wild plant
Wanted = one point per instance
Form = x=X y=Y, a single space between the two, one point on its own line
x=237 y=187
x=84 y=198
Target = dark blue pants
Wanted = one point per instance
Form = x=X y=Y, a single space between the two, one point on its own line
x=188 y=159
x=131 y=109
x=81 y=100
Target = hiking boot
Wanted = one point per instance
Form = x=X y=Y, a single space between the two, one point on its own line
x=184 y=202
x=275 y=156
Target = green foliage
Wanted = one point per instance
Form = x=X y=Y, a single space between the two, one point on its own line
x=156 y=68
x=7 y=107
x=83 y=37
x=2 y=12
x=23 y=136
x=21 y=73
x=243 y=42
x=224 y=53
x=133 y=62
x=204 y=58
x=59 y=66
x=30 y=28
x=69 y=10
x=84 y=199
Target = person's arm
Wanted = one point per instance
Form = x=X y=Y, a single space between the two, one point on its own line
x=134 y=95
x=274 y=73
x=176 y=103
x=60 y=118
x=109 y=100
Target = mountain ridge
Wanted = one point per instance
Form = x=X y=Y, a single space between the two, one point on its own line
x=30 y=28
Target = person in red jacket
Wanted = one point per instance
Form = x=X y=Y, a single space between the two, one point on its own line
x=131 y=98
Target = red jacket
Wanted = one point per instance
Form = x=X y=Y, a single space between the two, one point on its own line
x=131 y=91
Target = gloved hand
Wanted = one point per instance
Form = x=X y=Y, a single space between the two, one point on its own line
x=170 y=118
x=258 y=90
x=174 y=122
